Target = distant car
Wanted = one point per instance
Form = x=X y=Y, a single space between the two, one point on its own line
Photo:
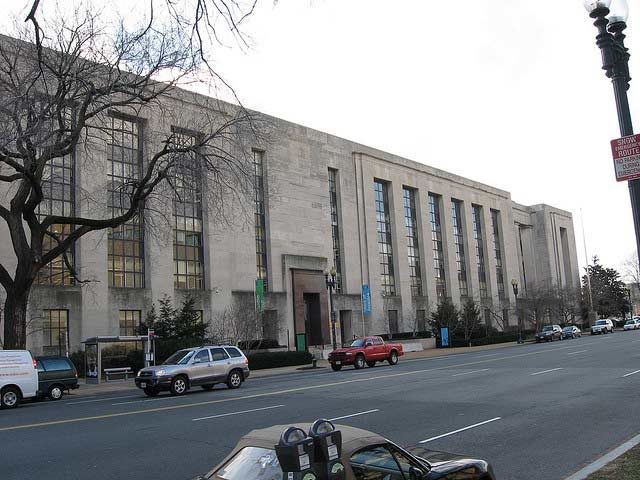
x=632 y=324
x=571 y=332
x=365 y=455
x=367 y=350
x=549 y=334
x=199 y=366
x=55 y=375
x=602 y=326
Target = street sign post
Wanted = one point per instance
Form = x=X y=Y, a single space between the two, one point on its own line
x=626 y=157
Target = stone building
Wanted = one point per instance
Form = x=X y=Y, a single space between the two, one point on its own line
x=410 y=232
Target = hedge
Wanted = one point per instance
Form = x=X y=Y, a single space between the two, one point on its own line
x=260 y=361
x=258 y=344
x=505 y=337
x=405 y=335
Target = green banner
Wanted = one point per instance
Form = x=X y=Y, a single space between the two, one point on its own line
x=259 y=295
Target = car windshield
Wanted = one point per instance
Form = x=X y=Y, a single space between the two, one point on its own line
x=630 y=322
x=567 y=329
x=251 y=463
x=358 y=343
x=179 y=358
x=547 y=329
x=601 y=322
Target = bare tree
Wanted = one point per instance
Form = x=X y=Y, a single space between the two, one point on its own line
x=564 y=303
x=61 y=82
x=237 y=323
x=470 y=319
x=630 y=269
x=536 y=306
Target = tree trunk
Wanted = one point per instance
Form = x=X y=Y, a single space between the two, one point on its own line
x=15 y=321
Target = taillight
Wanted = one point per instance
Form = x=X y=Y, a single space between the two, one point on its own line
x=35 y=364
x=246 y=361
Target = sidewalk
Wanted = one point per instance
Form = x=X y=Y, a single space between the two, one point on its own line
x=322 y=365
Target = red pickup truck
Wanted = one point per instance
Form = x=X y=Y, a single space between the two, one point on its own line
x=367 y=350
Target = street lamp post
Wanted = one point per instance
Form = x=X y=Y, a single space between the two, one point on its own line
x=610 y=20
x=330 y=280
x=514 y=285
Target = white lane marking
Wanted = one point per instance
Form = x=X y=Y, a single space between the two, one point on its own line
x=579 y=351
x=354 y=415
x=547 y=371
x=632 y=373
x=100 y=400
x=635 y=341
x=490 y=355
x=236 y=413
x=469 y=373
x=148 y=400
x=461 y=430
x=602 y=461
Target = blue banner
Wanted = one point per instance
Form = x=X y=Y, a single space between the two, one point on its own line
x=444 y=335
x=366 y=300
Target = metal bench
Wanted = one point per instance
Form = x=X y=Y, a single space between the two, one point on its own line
x=118 y=371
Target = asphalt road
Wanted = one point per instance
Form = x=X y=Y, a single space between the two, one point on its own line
x=534 y=411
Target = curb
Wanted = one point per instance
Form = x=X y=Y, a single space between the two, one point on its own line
x=605 y=459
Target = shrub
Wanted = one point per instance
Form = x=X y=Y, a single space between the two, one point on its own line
x=260 y=361
x=258 y=344
x=77 y=358
x=405 y=335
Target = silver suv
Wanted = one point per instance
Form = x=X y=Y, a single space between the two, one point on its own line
x=200 y=366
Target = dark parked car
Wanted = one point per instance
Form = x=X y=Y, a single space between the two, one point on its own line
x=365 y=455
x=549 y=334
x=571 y=332
x=55 y=375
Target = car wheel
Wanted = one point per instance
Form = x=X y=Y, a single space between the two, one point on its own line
x=371 y=364
x=336 y=368
x=208 y=387
x=359 y=363
x=393 y=358
x=179 y=386
x=56 y=392
x=10 y=397
x=235 y=379
x=151 y=392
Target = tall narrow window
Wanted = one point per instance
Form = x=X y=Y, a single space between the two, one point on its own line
x=495 y=226
x=436 y=241
x=126 y=242
x=58 y=182
x=187 y=215
x=261 y=227
x=477 y=235
x=55 y=328
x=458 y=240
x=335 y=227
x=385 y=246
x=413 y=248
x=129 y=322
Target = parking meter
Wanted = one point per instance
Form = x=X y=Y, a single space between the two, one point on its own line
x=327 y=443
x=295 y=453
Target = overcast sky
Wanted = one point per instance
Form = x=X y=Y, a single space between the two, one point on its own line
x=507 y=93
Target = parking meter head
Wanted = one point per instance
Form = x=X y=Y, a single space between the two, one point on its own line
x=295 y=452
x=328 y=448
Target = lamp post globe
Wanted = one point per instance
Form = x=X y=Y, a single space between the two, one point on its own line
x=592 y=5
x=618 y=11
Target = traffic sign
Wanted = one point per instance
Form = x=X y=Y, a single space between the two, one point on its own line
x=626 y=157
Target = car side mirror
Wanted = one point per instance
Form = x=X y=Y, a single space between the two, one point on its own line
x=415 y=473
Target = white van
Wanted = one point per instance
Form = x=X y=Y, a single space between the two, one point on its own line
x=18 y=377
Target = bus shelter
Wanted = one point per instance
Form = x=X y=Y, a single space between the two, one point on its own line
x=93 y=352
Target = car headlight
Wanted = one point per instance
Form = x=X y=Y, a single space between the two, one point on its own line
x=159 y=373
x=139 y=372
x=349 y=353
